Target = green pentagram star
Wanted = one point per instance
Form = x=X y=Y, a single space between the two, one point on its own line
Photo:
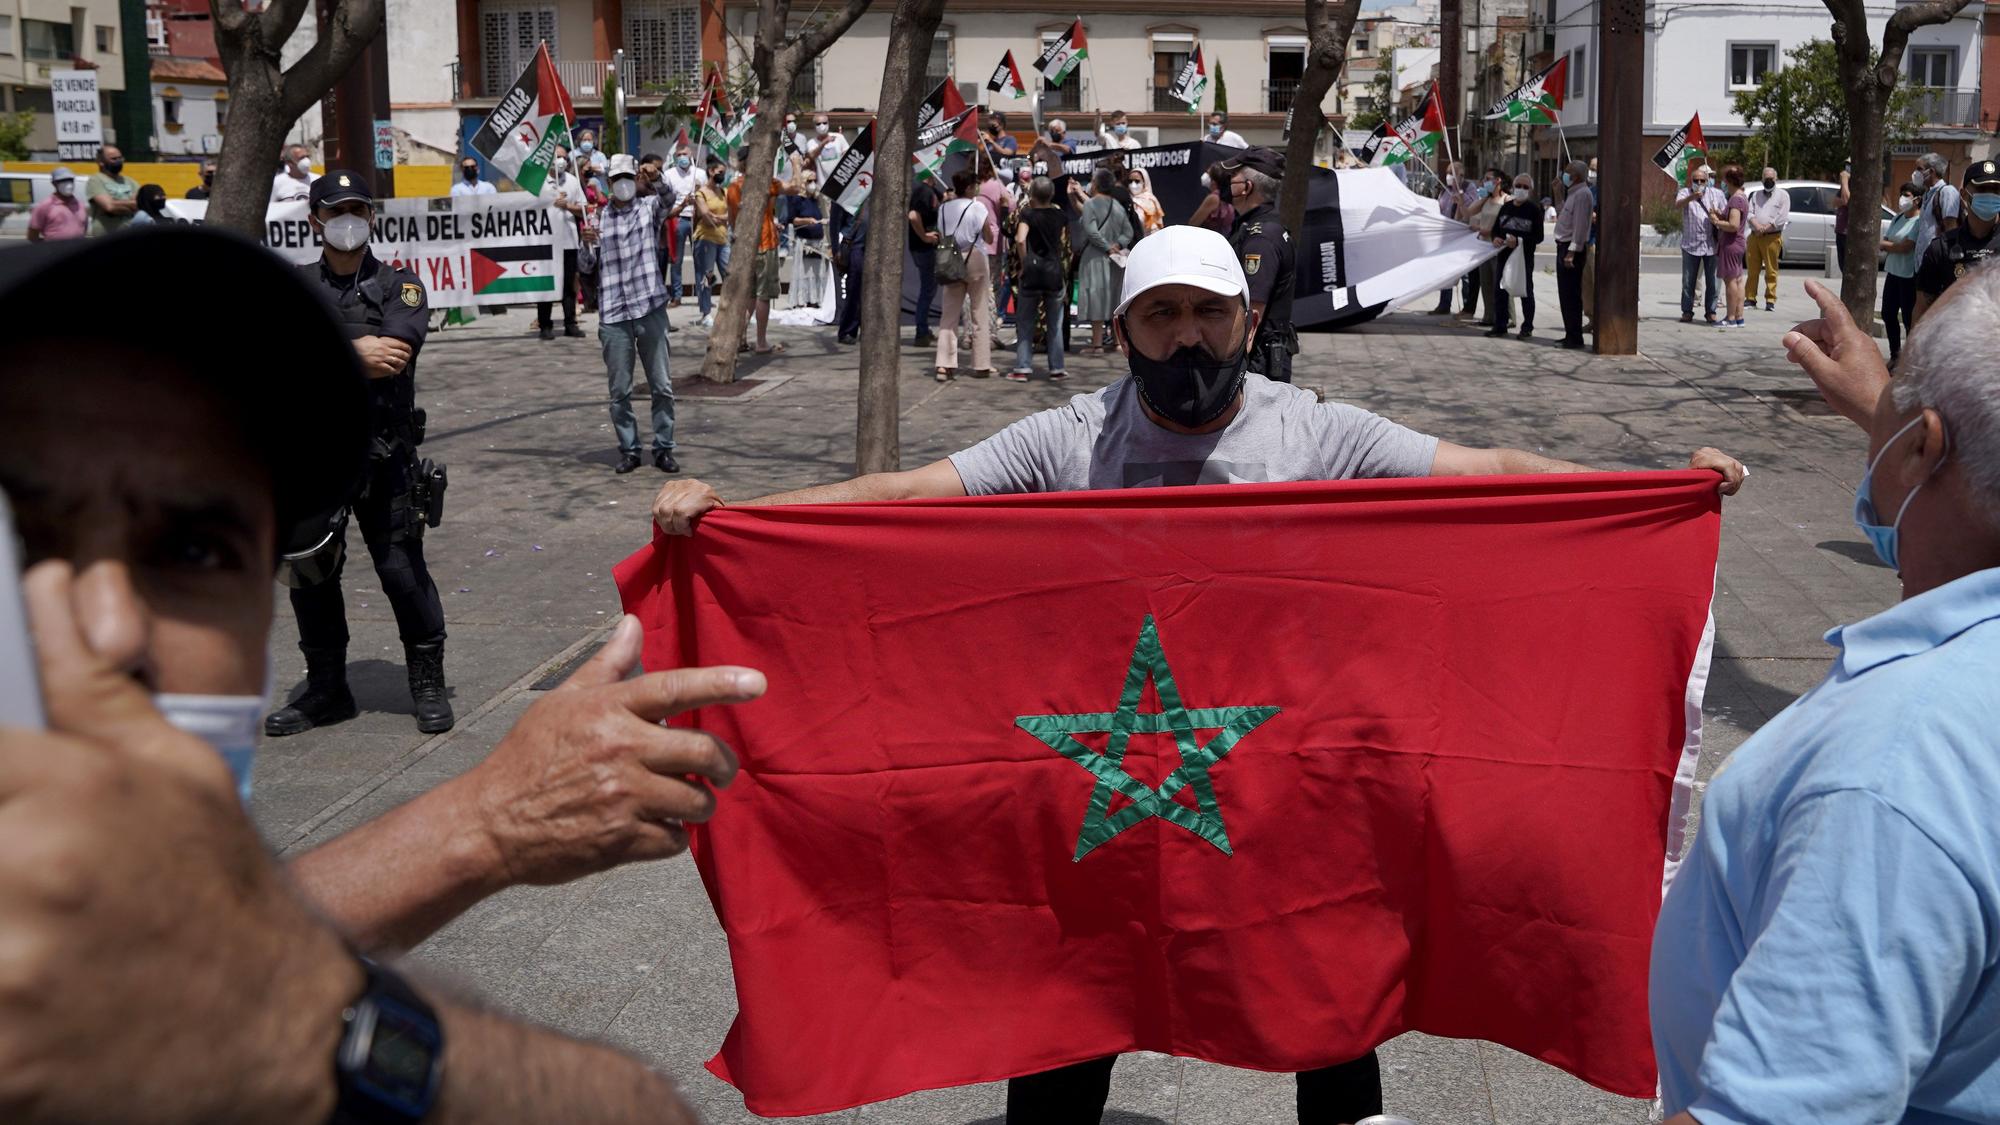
x=1149 y=659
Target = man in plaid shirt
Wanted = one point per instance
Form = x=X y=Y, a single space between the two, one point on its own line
x=623 y=249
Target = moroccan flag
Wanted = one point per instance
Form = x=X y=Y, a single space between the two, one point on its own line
x=1539 y=100
x=1264 y=774
x=514 y=269
x=1192 y=82
x=1063 y=53
x=853 y=178
x=1007 y=78
x=1681 y=149
x=520 y=136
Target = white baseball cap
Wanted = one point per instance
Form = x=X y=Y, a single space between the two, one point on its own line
x=60 y=174
x=623 y=165
x=1182 y=255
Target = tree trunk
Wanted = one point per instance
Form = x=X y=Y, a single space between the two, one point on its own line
x=1327 y=26
x=877 y=446
x=264 y=101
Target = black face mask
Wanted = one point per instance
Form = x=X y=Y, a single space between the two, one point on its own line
x=112 y=167
x=1769 y=184
x=470 y=174
x=1190 y=387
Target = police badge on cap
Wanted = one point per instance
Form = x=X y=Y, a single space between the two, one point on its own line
x=1985 y=173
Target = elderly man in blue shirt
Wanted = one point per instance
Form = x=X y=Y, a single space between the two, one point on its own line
x=1830 y=950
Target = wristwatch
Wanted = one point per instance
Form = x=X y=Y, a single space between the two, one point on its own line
x=390 y=1063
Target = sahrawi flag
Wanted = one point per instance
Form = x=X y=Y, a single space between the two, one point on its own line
x=713 y=115
x=522 y=133
x=944 y=125
x=1192 y=82
x=1063 y=53
x=1538 y=101
x=853 y=178
x=1383 y=148
x=1007 y=78
x=1421 y=128
x=1163 y=798
x=514 y=269
x=1680 y=149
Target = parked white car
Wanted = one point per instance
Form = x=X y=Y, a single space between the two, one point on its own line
x=1811 y=231
x=19 y=192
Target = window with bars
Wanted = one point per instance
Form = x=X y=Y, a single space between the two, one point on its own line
x=1067 y=97
x=937 y=67
x=1168 y=59
x=662 y=43
x=508 y=36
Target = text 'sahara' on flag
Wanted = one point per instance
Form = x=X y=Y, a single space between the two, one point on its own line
x=1192 y=81
x=532 y=119
x=1059 y=59
x=1417 y=778
x=1007 y=78
x=1538 y=101
x=944 y=125
x=1681 y=149
x=853 y=178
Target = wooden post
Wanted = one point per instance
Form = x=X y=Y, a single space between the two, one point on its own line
x=1451 y=85
x=1620 y=137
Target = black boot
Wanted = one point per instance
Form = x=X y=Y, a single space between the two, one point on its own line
x=325 y=701
x=426 y=663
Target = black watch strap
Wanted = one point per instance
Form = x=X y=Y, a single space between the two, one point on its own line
x=389 y=1066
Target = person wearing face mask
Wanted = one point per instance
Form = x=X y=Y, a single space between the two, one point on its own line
x=295 y=176
x=1456 y=199
x=1264 y=249
x=1826 y=952
x=681 y=181
x=150 y=552
x=1770 y=214
x=1188 y=412
x=1698 y=201
x=62 y=215
x=1572 y=235
x=113 y=196
x=1958 y=251
x=1517 y=230
x=1899 y=269
x=385 y=311
x=1214 y=211
x=1219 y=133
x=207 y=184
x=1590 y=260
x=1116 y=132
x=1484 y=283
x=563 y=191
x=1942 y=208
x=1059 y=137
x=152 y=200
x=624 y=250
x=468 y=182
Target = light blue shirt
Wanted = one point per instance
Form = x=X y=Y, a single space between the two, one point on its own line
x=1828 y=952
x=1904 y=264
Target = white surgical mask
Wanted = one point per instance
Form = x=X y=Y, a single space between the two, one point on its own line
x=1520 y=195
x=791 y=127
x=1903 y=202
x=229 y=723
x=1590 y=176
x=1451 y=179
x=1205 y=185
x=820 y=127
x=624 y=190
x=66 y=188
x=305 y=165
x=346 y=232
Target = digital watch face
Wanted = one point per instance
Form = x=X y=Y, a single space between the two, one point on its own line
x=402 y=1064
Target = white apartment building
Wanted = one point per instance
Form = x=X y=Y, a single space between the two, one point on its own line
x=37 y=36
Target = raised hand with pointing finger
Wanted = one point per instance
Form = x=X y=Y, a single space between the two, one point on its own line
x=1842 y=358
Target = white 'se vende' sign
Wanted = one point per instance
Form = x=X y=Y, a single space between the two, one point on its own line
x=79 y=121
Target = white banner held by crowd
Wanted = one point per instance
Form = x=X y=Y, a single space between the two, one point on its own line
x=503 y=249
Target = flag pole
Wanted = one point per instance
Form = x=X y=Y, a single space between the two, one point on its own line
x=1096 y=106
x=1449 y=159
x=1564 y=138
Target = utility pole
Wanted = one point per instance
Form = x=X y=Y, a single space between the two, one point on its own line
x=1620 y=138
x=1451 y=56
x=351 y=112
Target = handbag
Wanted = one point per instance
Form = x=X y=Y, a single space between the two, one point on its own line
x=951 y=257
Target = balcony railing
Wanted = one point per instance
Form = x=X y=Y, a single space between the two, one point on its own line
x=1279 y=93
x=1945 y=106
x=583 y=78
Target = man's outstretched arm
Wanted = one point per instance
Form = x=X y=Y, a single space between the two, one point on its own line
x=680 y=503
x=1463 y=461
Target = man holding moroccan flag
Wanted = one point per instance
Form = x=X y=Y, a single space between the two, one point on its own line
x=1295 y=908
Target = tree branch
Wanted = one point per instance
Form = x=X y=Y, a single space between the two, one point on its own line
x=1908 y=18
x=230 y=18
x=276 y=23
x=354 y=24
x=818 y=38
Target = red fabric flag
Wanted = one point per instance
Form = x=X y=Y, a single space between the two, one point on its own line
x=1433 y=111
x=1259 y=774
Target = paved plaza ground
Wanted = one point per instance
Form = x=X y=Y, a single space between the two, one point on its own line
x=536 y=519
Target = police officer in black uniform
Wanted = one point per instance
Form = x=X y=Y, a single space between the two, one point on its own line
x=384 y=311
x=1955 y=252
x=1265 y=250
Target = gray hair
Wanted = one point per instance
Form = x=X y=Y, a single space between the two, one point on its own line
x=1945 y=367
x=1058 y=123
x=1934 y=162
x=1266 y=186
x=1042 y=191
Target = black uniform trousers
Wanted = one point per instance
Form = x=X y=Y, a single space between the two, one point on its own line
x=545 y=308
x=389 y=527
x=1075 y=1095
x=1569 y=293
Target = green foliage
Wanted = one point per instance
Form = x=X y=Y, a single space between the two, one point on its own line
x=613 y=139
x=1221 y=90
x=14 y=130
x=1662 y=216
x=1383 y=95
x=1798 y=116
x=681 y=101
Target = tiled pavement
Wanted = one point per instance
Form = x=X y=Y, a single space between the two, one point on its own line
x=537 y=519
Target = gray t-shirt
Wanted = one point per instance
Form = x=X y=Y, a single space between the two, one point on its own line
x=1104 y=440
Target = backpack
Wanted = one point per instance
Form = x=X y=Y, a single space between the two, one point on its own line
x=1042 y=269
x=951 y=267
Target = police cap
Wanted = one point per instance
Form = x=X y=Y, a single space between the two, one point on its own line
x=1258 y=159
x=339 y=186
x=1983 y=173
x=310 y=427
